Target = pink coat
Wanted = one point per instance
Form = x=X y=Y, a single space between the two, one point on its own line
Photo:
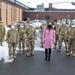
x=48 y=38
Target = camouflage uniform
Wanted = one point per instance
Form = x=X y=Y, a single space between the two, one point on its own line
x=42 y=27
x=57 y=26
x=21 y=38
x=62 y=36
x=2 y=32
x=71 y=40
x=12 y=39
x=30 y=34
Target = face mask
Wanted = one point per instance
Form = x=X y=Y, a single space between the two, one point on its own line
x=53 y=26
x=30 y=24
x=49 y=23
x=13 y=27
x=57 y=23
x=63 y=22
x=49 y=26
x=21 y=26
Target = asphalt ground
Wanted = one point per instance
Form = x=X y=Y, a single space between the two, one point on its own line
x=60 y=64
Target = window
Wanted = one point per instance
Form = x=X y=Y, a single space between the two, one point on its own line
x=47 y=18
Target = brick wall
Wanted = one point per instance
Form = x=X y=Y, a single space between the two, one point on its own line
x=54 y=15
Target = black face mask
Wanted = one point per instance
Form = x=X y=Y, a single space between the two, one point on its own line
x=49 y=26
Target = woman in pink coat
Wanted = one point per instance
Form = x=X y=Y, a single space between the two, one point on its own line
x=48 y=40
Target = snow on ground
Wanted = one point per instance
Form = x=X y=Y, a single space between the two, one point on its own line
x=4 y=53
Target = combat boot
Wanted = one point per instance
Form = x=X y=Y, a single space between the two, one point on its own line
x=20 y=51
x=32 y=53
x=58 y=50
x=11 y=56
x=73 y=54
x=14 y=56
x=28 y=54
x=68 y=54
x=66 y=50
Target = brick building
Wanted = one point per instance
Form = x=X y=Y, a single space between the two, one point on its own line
x=14 y=11
x=11 y=11
x=50 y=14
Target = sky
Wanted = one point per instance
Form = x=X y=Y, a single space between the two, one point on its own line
x=34 y=3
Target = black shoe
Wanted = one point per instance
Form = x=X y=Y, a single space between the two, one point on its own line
x=20 y=51
x=45 y=59
x=49 y=59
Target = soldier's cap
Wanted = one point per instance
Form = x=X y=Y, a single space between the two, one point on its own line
x=28 y=18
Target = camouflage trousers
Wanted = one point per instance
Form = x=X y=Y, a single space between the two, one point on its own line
x=1 y=39
x=22 y=43
x=71 y=45
x=62 y=39
x=30 y=44
x=41 y=40
x=56 y=39
x=0 y=42
x=12 y=48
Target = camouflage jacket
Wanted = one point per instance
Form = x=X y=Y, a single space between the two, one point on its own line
x=63 y=29
x=30 y=32
x=12 y=36
x=2 y=32
x=71 y=32
x=42 y=27
x=2 y=29
x=21 y=32
x=57 y=28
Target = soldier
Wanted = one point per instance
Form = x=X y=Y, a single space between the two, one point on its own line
x=57 y=31
x=30 y=34
x=28 y=21
x=71 y=40
x=12 y=39
x=62 y=35
x=21 y=37
x=2 y=33
x=42 y=27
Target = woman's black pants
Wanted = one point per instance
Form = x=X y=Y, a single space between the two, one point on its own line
x=47 y=55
